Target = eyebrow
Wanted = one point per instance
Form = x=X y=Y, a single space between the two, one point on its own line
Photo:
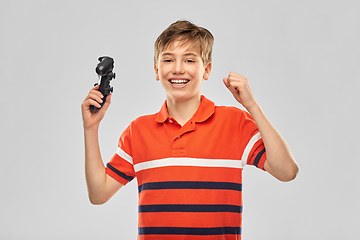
x=186 y=54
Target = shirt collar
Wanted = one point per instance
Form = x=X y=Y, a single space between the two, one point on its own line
x=205 y=111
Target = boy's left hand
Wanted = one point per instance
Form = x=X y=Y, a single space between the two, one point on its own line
x=240 y=88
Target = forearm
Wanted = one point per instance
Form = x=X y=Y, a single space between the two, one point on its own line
x=94 y=167
x=101 y=187
x=279 y=159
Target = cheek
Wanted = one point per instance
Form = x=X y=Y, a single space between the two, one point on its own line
x=196 y=71
x=162 y=73
x=200 y=75
x=163 y=70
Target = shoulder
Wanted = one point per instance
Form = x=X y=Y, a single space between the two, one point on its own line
x=230 y=111
x=231 y=115
x=144 y=120
x=140 y=124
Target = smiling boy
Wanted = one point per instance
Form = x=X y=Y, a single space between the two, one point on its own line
x=180 y=69
x=188 y=158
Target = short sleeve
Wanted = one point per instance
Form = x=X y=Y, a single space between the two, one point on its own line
x=254 y=152
x=120 y=167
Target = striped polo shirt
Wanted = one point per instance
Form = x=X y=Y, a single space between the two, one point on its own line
x=189 y=177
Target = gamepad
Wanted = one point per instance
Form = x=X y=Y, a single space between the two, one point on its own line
x=104 y=70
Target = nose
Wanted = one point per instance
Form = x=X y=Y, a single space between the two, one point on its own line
x=178 y=68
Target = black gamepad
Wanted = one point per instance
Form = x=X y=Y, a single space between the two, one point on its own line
x=104 y=70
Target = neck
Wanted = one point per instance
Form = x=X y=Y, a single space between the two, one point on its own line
x=184 y=110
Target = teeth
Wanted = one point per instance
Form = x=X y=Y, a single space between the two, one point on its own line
x=180 y=81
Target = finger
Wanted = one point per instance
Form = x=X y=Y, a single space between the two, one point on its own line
x=94 y=103
x=233 y=76
x=231 y=86
x=226 y=82
x=95 y=95
x=85 y=106
x=96 y=91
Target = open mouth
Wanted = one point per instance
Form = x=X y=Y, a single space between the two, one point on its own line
x=178 y=82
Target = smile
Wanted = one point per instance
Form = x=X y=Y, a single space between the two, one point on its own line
x=178 y=82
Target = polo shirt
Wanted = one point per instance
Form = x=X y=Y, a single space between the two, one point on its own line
x=189 y=177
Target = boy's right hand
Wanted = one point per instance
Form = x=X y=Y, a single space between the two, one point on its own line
x=92 y=119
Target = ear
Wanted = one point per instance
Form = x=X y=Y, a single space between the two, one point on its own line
x=156 y=69
x=207 y=71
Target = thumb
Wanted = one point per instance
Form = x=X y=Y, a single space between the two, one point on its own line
x=107 y=102
x=226 y=82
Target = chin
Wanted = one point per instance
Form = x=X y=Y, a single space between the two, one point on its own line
x=181 y=97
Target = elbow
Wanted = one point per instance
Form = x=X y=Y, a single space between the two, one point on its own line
x=290 y=174
x=97 y=201
x=288 y=178
x=283 y=172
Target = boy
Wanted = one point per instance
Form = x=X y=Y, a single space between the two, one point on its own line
x=187 y=158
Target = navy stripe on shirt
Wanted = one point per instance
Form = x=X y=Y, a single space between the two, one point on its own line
x=123 y=175
x=258 y=157
x=190 y=185
x=189 y=231
x=189 y=208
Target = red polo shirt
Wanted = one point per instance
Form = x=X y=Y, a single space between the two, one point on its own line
x=189 y=177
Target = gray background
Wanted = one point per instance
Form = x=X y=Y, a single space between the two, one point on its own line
x=302 y=61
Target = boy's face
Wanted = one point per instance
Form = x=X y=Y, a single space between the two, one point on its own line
x=181 y=70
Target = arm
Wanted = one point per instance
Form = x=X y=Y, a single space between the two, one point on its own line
x=101 y=187
x=280 y=162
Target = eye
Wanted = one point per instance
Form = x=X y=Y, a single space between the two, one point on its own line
x=190 y=60
x=167 y=60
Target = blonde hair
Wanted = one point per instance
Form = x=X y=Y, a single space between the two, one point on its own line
x=185 y=31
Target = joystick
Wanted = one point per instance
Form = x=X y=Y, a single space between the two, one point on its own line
x=104 y=70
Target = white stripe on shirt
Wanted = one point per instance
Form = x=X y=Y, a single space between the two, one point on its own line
x=248 y=148
x=124 y=155
x=192 y=162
